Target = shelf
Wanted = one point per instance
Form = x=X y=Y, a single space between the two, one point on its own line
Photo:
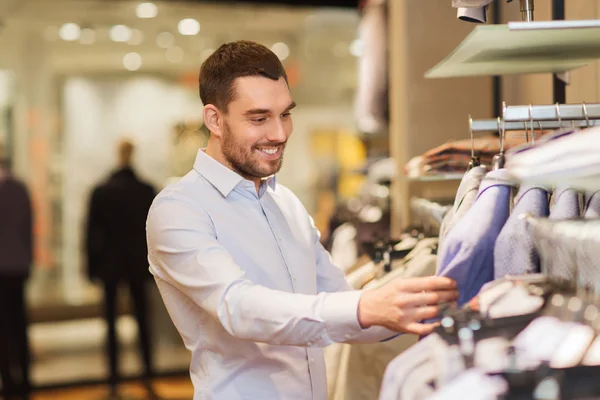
x=437 y=178
x=522 y=48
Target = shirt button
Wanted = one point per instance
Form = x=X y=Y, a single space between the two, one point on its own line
x=309 y=343
x=347 y=336
x=312 y=360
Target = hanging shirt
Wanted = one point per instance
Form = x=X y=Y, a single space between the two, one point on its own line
x=467 y=253
x=249 y=287
x=465 y=195
x=515 y=252
x=592 y=205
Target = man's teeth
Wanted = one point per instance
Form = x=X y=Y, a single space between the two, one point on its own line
x=269 y=151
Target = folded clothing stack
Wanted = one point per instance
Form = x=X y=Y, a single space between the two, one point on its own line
x=454 y=157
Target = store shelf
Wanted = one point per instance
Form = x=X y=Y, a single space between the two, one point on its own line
x=522 y=48
x=437 y=178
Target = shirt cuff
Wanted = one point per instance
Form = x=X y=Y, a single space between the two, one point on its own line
x=340 y=313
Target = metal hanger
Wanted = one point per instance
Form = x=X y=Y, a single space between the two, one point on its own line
x=499 y=160
x=585 y=114
x=531 y=124
x=474 y=161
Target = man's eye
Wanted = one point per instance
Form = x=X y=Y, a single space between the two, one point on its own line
x=259 y=120
x=287 y=114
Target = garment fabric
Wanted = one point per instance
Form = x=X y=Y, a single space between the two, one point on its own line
x=514 y=251
x=467 y=253
x=344 y=249
x=570 y=160
x=16 y=228
x=139 y=299
x=249 y=286
x=592 y=206
x=116 y=237
x=465 y=195
x=371 y=107
x=362 y=366
x=15 y=359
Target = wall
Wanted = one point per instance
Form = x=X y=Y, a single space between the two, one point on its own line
x=426 y=112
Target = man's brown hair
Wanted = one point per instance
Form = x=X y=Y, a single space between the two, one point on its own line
x=231 y=61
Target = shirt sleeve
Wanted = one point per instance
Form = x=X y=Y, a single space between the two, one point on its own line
x=184 y=252
x=331 y=279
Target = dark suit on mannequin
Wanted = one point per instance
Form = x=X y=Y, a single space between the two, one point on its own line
x=16 y=254
x=117 y=252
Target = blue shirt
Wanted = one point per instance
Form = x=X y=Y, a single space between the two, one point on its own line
x=515 y=252
x=467 y=252
x=249 y=287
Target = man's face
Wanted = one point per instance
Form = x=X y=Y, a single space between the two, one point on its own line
x=257 y=126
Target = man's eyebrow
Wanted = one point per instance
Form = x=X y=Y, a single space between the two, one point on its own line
x=259 y=111
x=256 y=111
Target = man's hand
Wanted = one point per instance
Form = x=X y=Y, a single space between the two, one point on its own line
x=402 y=303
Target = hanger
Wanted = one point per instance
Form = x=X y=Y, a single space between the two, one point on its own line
x=585 y=114
x=474 y=161
x=499 y=160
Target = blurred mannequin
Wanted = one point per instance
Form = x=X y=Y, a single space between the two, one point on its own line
x=117 y=252
x=16 y=254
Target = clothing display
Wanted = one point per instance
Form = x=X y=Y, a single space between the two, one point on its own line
x=223 y=314
x=521 y=242
x=454 y=157
x=569 y=159
x=467 y=253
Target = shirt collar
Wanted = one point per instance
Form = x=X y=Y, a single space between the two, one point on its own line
x=221 y=177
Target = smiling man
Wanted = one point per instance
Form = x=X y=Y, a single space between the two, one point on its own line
x=237 y=258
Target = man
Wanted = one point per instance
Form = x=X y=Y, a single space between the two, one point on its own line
x=117 y=252
x=16 y=256
x=238 y=260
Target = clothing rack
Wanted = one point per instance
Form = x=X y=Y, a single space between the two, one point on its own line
x=493 y=125
x=555 y=112
x=570 y=245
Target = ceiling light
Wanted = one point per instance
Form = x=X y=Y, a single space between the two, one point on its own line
x=206 y=53
x=281 y=50
x=88 y=36
x=188 y=27
x=146 y=10
x=137 y=37
x=165 y=40
x=120 y=33
x=69 y=32
x=132 y=61
x=175 y=55
x=356 y=48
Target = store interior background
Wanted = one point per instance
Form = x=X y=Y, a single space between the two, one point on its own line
x=65 y=103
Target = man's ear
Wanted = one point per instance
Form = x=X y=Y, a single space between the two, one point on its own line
x=212 y=119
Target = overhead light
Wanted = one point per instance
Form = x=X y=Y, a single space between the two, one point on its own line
x=88 y=36
x=137 y=37
x=188 y=27
x=146 y=10
x=165 y=40
x=175 y=55
x=206 y=53
x=356 y=48
x=69 y=32
x=120 y=33
x=281 y=50
x=132 y=61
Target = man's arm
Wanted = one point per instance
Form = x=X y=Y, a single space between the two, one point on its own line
x=330 y=278
x=184 y=251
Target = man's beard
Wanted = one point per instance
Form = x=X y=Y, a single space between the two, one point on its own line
x=244 y=160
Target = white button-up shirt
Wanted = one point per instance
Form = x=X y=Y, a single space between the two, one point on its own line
x=248 y=285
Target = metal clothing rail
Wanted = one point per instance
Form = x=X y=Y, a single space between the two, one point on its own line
x=554 y=112
x=493 y=125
